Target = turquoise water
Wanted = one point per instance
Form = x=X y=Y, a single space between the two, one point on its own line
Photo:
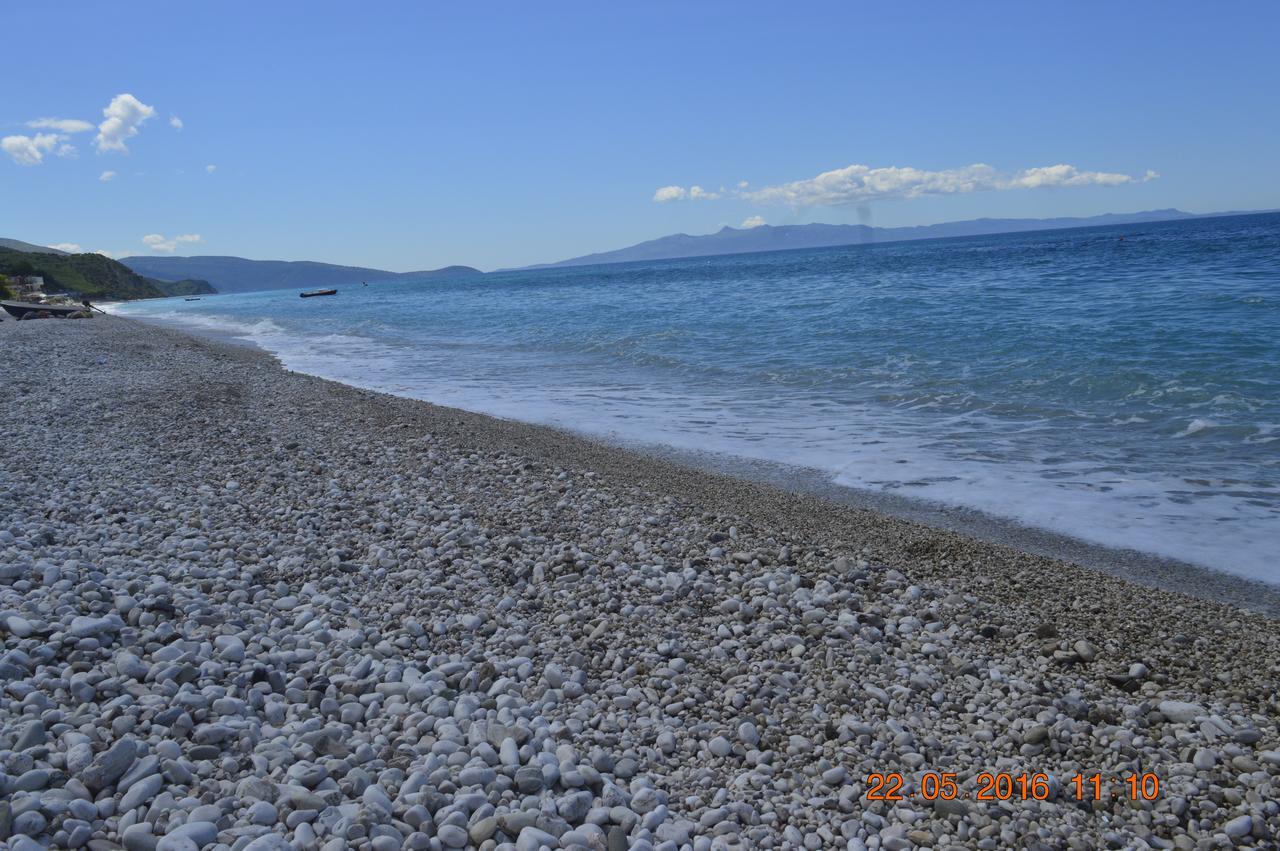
x=1124 y=391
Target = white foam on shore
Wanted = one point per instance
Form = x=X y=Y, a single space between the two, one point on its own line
x=857 y=447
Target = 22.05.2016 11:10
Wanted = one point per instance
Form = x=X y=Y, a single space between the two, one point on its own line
x=1000 y=786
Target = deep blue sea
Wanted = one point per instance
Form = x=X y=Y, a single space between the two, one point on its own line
x=1121 y=384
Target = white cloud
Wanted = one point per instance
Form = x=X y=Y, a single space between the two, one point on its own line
x=111 y=254
x=30 y=150
x=62 y=125
x=753 y=222
x=856 y=184
x=679 y=193
x=158 y=242
x=66 y=150
x=69 y=247
x=211 y=168
x=175 y=122
x=669 y=193
x=106 y=175
x=1064 y=175
x=122 y=117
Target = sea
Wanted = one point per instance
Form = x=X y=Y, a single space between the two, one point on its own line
x=1117 y=385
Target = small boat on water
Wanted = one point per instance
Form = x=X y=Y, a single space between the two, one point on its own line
x=192 y=299
x=21 y=309
x=313 y=293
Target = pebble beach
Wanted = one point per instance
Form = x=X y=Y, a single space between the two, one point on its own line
x=249 y=609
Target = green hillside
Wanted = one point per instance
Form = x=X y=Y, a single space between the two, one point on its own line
x=92 y=276
x=187 y=286
x=238 y=275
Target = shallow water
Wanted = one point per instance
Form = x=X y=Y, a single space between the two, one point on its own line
x=1124 y=391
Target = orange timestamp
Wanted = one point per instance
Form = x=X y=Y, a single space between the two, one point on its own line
x=1002 y=786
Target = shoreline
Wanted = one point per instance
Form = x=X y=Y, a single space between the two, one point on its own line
x=271 y=610
x=1149 y=569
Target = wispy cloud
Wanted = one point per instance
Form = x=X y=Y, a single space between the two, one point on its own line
x=175 y=122
x=858 y=184
x=211 y=168
x=122 y=117
x=679 y=193
x=753 y=222
x=1069 y=175
x=159 y=242
x=30 y=150
x=107 y=175
x=69 y=247
x=62 y=125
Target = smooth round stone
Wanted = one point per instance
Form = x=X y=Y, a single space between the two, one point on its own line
x=138 y=837
x=834 y=776
x=263 y=813
x=269 y=842
x=1238 y=827
x=29 y=823
x=482 y=830
x=529 y=780
x=476 y=775
x=531 y=839
x=452 y=836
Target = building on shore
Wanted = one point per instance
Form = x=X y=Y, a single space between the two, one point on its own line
x=27 y=287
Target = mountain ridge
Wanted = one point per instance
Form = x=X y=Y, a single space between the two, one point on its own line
x=28 y=247
x=230 y=274
x=731 y=240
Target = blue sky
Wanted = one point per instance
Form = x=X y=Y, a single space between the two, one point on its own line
x=412 y=135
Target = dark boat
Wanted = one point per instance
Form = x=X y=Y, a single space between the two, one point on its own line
x=311 y=293
x=21 y=309
x=191 y=299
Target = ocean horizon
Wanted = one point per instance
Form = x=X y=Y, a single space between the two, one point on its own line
x=1114 y=384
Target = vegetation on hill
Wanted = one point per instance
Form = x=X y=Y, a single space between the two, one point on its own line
x=91 y=276
x=238 y=275
x=187 y=286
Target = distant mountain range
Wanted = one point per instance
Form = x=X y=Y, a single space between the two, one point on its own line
x=19 y=245
x=238 y=275
x=730 y=240
x=92 y=276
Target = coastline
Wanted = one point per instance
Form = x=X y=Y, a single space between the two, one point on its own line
x=683 y=466
x=665 y=624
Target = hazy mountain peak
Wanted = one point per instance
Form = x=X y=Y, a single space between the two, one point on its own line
x=731 y=240
x=19 y=245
